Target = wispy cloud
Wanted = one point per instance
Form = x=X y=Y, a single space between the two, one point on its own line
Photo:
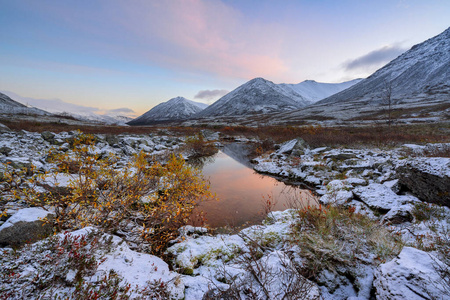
x=374 y=58
x=192 y=35
x=210 y=94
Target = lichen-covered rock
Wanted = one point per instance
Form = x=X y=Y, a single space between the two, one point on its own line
x=25 y=226
x=412 y=275
x=427 y=178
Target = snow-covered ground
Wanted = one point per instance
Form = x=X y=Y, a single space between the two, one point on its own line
x=260 y=262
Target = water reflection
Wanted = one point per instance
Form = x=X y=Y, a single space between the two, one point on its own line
x=243 y=192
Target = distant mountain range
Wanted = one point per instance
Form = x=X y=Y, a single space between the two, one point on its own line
x=60 y=108
x=419 y=78
x=9 y=106
x=257 y=96
x=314 y=91
x=178 y=108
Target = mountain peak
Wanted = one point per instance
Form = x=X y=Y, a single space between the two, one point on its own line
x=419 y=75
x=258 y=80
x=178 y=108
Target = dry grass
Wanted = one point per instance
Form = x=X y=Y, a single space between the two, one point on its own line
x=376 y=135
x=335 y=236
x=315 y=136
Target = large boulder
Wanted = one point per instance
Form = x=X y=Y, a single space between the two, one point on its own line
x=295 y=147
x=427 y=178
x=412 y=275
x=25 y=226
x=381 y=197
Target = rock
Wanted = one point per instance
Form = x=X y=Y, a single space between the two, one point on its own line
x=399 y=214
x=393 y=185
x=4 y=128
x=412 y=275
x=25 y=226
x=427 y=178
x=20 y=163
x=300 y=147
x=209 y=135
x=48 y=136
x=381 y=198
x=5 y=150
x=340 y=156
x=295 y=147
x=337 y=193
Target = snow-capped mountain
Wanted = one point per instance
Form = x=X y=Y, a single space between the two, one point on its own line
x=178 y=108
x=420 y=74
x=255 y=96
x=80 y=112
x=314 y=91
x=9 y=106
x=419 y=80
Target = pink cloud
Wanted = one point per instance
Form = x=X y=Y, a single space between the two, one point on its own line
x=205 y=36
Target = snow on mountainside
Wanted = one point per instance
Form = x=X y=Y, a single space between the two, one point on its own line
x=79 y=112
x=9 y=106
x=419 y=81
x=97 y=118
x=420 y=74
x=255 y=96
x=178 y=108
x=314 y=91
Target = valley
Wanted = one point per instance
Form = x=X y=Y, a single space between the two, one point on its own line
x=275 y=191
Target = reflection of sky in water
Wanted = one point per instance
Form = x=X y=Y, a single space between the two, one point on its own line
x=241 y=192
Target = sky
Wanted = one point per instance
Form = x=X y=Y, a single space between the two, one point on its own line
x=130 y=55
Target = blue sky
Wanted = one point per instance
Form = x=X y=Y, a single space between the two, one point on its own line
x=110 y=54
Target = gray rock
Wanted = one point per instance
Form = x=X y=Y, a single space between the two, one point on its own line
x=4 y=128
x=293 y=147
x=209 y=135
x=381 y=198
x=300 y=147
x=5 y=150
x=25 y=226
x=412 y=275
x=399 y=214
x=428 y=179
x=340 y=156
x=48 y=136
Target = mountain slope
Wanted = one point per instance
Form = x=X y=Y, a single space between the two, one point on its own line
x=421 y=73
x=314 y=91
x=9 y=106
x=255 y=96
x=419 y=80
x=178 y=108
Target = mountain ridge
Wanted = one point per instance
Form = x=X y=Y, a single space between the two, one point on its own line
x=178 y=108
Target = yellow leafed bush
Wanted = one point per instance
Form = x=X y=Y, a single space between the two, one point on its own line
x=161 y=197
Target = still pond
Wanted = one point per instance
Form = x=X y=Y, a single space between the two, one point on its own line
x=243 y=194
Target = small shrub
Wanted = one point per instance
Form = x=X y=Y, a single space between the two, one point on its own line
x=196 y=147
x=106 y=195
x=424 y=211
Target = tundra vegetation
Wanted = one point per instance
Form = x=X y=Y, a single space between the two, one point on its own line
x=147 y=199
